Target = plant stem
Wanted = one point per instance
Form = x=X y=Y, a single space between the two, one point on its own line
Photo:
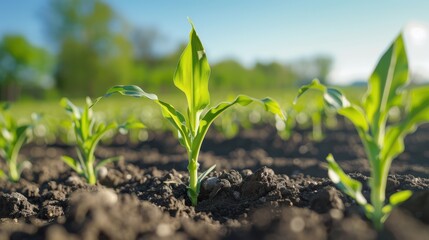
x=13 y=171
x=377 y=198
x=317 y=126
x=193 y=177
x=91 y=178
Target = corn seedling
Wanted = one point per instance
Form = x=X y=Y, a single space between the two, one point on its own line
x=88 y=133
x=191 y=77
x=387 y=90
x=12 y=137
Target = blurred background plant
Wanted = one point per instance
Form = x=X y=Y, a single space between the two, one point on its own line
x=13 y=135
x=75 y=48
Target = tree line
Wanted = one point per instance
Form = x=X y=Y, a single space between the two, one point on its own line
x=93 y=48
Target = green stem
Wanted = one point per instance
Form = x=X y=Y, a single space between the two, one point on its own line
x=12 y=164
x=317 y=126
x=13 y=171
x=193 y=177
x=91 y=178
x=378 y=197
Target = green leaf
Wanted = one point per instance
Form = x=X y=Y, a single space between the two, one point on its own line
x=71 y=162
x=346 y=184
x=2 y=174
x=125 y=127
x=356 y=115
x=22 y=165
x=129 y=90
x=20 y=139
x=6 y=135
x=85 y=123
x=168 y=111
x=178 y=121
x=269 y=104
x=272 y=106
x=369 y=210
x=335 y=99
x=387 y=209
x=106 y=161
x=400 y=197
x=192 y=77
x=315 y=85
x=202 y=176
x=386 y=83
x=394 y=200
x=70 y=107
x=395 y=134
x=93 y=141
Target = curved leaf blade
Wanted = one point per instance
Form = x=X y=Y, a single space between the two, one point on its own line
x=348 y=185
x=395 y=134
x=335 y=99
x=106 y=161
x=130 y=90
x=70 y=107
x=356 y=115
x=177 y=120
x=192 y=77
x=386 y=83
x=315 y=84
x=127 y=90
x=400 y=197
x=243 y=100
x=72 y=163
x=168 y=111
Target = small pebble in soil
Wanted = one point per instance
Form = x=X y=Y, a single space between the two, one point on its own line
x=109 y=196
x=303 y=149
x=102 y=173
x=246 y=172
x=210 y=183
x=163 y=230
x=297 y=224
x=336 y=214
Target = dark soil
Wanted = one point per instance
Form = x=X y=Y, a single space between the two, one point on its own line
x=263 y=188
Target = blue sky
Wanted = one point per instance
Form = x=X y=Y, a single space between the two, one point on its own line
x=354 y=33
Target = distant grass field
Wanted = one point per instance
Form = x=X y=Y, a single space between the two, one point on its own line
x=121 y=104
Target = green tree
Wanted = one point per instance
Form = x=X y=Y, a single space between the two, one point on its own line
x=23 y=66
x=93 y=49
x=230 y=74
x=273 y=75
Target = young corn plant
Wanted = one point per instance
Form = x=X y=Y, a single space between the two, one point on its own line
x=387 y=90
x=12 y=137
x=88 y=133
x=191 y=77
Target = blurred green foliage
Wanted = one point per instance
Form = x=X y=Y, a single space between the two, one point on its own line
x=94 y=52
x=23 y=68
x=94 y=48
